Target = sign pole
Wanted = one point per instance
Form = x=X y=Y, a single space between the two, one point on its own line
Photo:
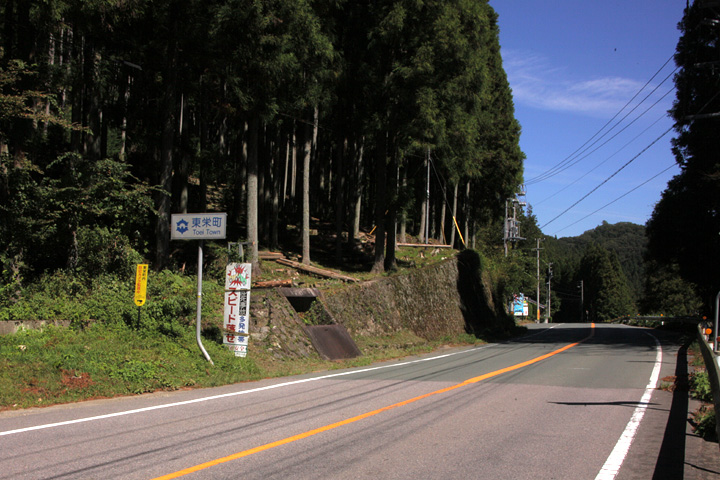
x=141 y=275
x=199 y=303
x=198 y=226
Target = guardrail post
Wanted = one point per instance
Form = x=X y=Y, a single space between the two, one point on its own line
x=713 y=371
x=715 y=327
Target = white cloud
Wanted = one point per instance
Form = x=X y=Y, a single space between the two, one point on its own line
x=538 y=84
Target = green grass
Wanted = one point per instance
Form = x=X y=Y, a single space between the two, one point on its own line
x=110 y=351
x=59 y=365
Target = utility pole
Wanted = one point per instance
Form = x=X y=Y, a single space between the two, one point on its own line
x=511 y=232
x=427 y=199
x=582 y=301
x=549 y=299
x=537 y=297
x=506 y=233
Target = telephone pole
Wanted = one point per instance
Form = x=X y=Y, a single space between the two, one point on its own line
x=549 y=299
x=537 y=296
x=511 y=232
x=582 y=301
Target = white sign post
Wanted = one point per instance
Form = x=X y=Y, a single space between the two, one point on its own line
x=198 y=226
x=236 y=313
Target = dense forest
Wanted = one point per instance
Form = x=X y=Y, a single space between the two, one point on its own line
x=297 y=117
x=684 y=230
x=116 y=114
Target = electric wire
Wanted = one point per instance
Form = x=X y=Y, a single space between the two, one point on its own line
x=610 y=177
x=662 y=117
x=618 y=198
x=551 y=171
x=702 y=109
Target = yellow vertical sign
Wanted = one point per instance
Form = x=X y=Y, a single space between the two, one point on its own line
x=141 y=284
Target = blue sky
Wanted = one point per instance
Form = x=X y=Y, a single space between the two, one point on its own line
x=574 y=67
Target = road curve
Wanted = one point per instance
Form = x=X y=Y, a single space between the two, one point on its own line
x=552 y=404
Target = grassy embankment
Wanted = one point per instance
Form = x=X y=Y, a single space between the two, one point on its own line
x=112 y=348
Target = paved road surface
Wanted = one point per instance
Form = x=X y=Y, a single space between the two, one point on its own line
x=566 y=401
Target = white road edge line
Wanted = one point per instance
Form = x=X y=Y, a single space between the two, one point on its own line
x=232 y=394
x=613 y=463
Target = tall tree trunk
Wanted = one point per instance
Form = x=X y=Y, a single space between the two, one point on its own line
x=309 y=144
x=164 y=203
x=124 y=122
x=356 y=194
x=403 y=214
x=167 y=144
x=441 y=235
x=289 y=147
x=424 y=206
x=454 y=214
x=264 y=165
x=93 y=140
x=340 y=152
x=293 y=164
x=380 y=206
x=252 y=193
x=76 y=93
x=183 y=169
x=466 y=216
x=390 y=260
x=274 y=199
x=241 y=174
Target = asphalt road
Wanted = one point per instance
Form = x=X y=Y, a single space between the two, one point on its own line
x=566 y=401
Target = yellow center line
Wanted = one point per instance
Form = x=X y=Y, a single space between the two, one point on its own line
x=363 y=416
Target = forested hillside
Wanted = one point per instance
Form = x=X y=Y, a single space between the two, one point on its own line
x=115 y=114
x=683 y=230
x=626 y=240
x=598 y=275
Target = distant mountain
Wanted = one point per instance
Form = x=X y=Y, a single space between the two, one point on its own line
x=626 y=240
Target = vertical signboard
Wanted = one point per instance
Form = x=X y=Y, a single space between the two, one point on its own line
x=141 y=276
x=236 y=311
x=519 y=305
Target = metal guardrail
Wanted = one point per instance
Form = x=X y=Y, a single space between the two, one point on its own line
x=713 y=371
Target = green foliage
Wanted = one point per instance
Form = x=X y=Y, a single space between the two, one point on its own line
x=19 y=103
x=704 y=417
x=59 y=365
x=666 y=292
x=700 y=386
x=108 y=299
x=607 y=294
x=683 y=229
x=75 y=213
x=705 y=424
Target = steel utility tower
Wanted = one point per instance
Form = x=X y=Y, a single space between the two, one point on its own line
x=511 y=230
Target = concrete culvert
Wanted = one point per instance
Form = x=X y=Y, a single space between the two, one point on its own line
x=331 y=340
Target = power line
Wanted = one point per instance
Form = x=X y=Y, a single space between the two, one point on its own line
x=569 y=163
x=662 y=117
x=610 y=177
x=618 y=198
x=559 y=166
x=700 y=112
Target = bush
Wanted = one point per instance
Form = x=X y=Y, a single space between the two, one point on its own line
x=170 y=306
x=700 y=386
x=103 y=250
x=705 y=422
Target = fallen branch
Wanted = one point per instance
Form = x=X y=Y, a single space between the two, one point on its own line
x=423 y=245
x=273 y=283
x=316 y=271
